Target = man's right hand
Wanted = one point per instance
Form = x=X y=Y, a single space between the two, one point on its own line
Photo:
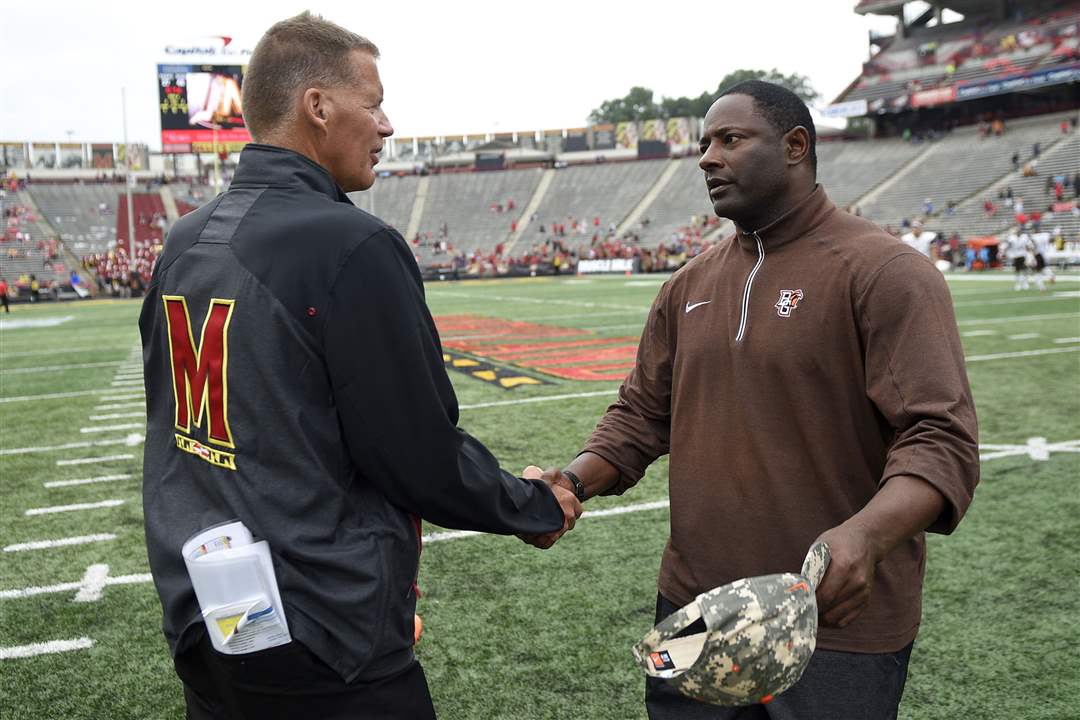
x=569 y=504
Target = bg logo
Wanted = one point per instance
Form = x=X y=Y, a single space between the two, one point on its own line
x=200 y=382
x=789 y=300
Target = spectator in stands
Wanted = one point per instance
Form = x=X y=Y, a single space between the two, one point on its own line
x=1016 y=160
x=919 y=239
x=35 y=287
x=989 y=207
x=4 y=289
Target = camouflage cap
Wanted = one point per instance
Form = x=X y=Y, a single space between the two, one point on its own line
x=760 y=633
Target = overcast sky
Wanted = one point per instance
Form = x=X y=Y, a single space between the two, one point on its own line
x=448 y=67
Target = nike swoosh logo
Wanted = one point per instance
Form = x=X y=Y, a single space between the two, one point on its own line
x=690 y=307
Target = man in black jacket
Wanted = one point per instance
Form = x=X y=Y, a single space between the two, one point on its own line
x=314 y=408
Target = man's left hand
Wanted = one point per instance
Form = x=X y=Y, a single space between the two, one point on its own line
x=844 y=592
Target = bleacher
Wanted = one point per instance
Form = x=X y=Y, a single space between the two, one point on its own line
x=391 y=199
x=684 y=197
x=849 y=170
x=21 y=259
x=959 y=168
x=147 y=207
x=84 y=215
x=972 y=51
x=608 y=191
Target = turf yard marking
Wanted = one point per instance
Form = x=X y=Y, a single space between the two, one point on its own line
x=1019 y=318
x=126 y=383
x=1021 y=353
x=93 y=584
x=978 y=333
x=129 y=396
x=119 y=406
x=1067 y=340
x=545 y=398
x=1024 y=336
x=131 y=441
x=608 y=512
x=530 y=300
x=89 y=480
x=36 y=323
x=57 y=368
x=118 y=416
x=35 y=353
x=1036 y=449
x=111 y=428
x=62 y=542
x=93 y=460
x=134 y=579
x=1006 y=277
x=74 y=508
x=45 y=648
x=61 y=395
x=1012 y=301
x=1067 y=294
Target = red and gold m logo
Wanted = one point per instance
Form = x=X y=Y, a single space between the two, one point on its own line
x=200 y=384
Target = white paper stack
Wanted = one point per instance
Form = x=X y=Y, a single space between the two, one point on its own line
x=237 y=589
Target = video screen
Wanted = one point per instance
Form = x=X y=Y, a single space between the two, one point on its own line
x=199 y=101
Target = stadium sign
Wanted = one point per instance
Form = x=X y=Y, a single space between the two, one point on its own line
x=853 y=108
x=620 y=265
x=210 y=46
x=936 y=96
x=1043 y=78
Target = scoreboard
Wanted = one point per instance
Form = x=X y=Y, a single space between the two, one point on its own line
x=198 y=102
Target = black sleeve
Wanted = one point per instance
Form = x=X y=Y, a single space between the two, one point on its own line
x=398 y=409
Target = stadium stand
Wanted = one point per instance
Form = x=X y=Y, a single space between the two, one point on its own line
x=149 y=215
x=584 y=194
x=30 y=252
x=478 y=209
x=959 y=167
x=849 y=170
x=391 y=199
x=682 y=199
x=84 y=215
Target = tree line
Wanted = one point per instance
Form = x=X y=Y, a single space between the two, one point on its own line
x=640 y=103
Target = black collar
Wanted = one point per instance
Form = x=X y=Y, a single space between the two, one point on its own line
x=263 y=165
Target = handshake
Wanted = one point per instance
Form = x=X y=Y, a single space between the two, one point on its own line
x=563 y=490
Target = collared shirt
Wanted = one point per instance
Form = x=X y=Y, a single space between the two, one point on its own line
x=790 y=372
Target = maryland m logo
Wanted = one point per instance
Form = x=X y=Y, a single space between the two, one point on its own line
x=200 y=383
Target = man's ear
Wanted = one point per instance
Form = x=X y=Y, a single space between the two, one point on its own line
x=796 y=144
x=314 y=108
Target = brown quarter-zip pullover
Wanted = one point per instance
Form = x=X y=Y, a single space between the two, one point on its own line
x=790 y=372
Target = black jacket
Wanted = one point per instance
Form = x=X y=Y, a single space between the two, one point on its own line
x=320 y=412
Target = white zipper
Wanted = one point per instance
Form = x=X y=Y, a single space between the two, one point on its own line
x=750 y=284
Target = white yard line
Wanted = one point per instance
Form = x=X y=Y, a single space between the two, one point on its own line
x=93 y=584
x=126 y=384
x=530 y=300
x=1019 y=318
x=1014 y=301
x=1021 y=353
x=1062 y=341
x=119 y=406
x=118 y=416
x=93 y=460
x=1023 y=336
x=45 y=648
x=46 y=353
x=131 y=441
x=89 y=480
x=73 y=508
x=58 y=396
x=57 y=368
x=68 y=587
x=978 y=333
x=62 y=542
x=112 y=428
x=1006 y=277
x=543 y=398
x=128 y=396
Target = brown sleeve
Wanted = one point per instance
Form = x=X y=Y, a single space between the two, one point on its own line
x=636 y=429
x=915 y=376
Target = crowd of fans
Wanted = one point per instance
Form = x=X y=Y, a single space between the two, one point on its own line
x=123 y=275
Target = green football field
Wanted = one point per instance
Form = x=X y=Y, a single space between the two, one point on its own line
x=510 y=631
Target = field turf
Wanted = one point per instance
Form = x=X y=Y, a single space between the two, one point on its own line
x=512 y=632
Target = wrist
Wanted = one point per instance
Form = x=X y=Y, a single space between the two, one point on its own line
x=576 y=486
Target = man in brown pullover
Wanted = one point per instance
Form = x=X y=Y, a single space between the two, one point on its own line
x=807 y=379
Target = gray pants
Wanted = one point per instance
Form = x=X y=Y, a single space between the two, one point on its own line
x=835 y=686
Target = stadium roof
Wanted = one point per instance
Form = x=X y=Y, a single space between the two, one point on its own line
x=871 y=7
